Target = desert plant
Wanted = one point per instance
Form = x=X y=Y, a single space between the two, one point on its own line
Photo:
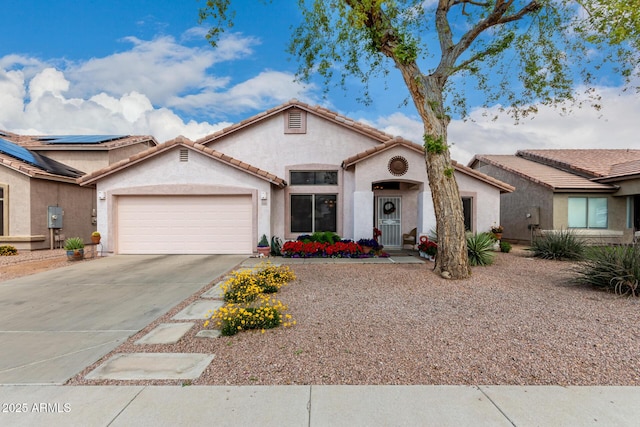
x=612 y=268
x=74 y=243
x=480 y=249
x=95 y=234
x=505 y=247
x=8 y=250
x=558 y=245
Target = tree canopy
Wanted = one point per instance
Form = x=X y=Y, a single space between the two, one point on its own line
x=519 y=53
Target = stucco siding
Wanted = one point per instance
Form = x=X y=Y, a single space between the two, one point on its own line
x=18 y=198
x=166 y=174
x=267 y=146
x=76 y=202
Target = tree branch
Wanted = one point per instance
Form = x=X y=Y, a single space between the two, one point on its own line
x=497 y=17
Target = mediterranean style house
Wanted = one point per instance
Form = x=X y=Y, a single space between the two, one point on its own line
x=594 y=192
x=38 y=181
x=294 y=169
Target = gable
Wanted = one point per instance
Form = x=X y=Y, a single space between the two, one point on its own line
x=268 y=145
x=171 y=160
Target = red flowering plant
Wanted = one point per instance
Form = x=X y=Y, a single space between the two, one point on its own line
x=429 y=247
x=340 y=249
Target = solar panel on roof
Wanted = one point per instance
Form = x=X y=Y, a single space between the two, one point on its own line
x=78 y=139
x=37 y=160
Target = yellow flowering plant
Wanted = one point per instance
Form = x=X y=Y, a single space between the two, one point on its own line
x=248 y=305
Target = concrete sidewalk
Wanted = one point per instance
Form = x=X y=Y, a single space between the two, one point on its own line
x=319 y=406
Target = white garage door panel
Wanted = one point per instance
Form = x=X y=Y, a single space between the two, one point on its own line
x=185 y=225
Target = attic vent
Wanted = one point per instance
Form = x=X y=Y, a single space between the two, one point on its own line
x=295 y=121
x=184 y=155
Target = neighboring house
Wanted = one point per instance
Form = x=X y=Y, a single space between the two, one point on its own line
x=291 y=170
x=38 y=173
x=595 y=192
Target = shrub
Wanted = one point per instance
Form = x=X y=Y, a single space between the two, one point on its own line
x=247 y=305
x=266 y=314
x=245 y=286
x=558 y=245
x=73 y=243
x=328 y=237
x=8 y=250
x=505 y=247
x=480 y=249
x=612 y=268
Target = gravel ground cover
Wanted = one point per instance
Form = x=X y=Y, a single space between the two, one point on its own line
x=518 y=322
x=30 y=262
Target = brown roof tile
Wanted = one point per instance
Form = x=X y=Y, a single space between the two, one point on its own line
x=185 y=142
x=317 y=110
x=35 y=142
x=588 y=162
x=547 y=176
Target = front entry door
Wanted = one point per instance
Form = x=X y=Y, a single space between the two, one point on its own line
x=388 y=214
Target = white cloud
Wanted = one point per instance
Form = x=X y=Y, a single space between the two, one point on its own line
x=138 y=91
x=614 y=126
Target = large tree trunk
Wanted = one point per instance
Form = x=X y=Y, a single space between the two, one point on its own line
x=452 y=260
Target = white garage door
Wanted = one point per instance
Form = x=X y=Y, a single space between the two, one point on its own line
x=185 y=225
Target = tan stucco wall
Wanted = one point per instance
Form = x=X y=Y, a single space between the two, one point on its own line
x=77 y=203
x=628 y=188
x=18 y=198
x=92 y=160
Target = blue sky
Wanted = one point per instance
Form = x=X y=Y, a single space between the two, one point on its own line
x=144 y=67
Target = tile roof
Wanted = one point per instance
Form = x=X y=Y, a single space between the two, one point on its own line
x=32 y=171
x=587 y=162
x=317 y=110
x=547 y=176
x=185 y=142
x=39 y=143
x=504 y=187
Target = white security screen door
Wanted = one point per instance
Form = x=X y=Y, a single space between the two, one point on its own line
x=388 y=215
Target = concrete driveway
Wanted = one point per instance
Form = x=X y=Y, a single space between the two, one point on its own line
x=56 y=323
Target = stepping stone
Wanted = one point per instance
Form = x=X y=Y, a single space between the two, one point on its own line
x=209 y=333
x=152 y=366
x=215 y=292
x=199 y=310
x=166 y=333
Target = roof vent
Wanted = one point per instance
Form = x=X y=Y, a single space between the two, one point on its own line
x=184 y=155
x=295 y=121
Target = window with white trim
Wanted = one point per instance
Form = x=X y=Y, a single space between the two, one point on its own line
x=588 y=212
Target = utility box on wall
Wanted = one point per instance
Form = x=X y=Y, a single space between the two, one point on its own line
x=533 y=215
x=54 y=216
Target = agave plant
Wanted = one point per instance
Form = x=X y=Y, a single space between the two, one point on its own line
x=480 y=249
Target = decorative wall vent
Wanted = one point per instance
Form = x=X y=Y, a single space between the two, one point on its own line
x=295 y=121
x=398 y=166
x=184 y=155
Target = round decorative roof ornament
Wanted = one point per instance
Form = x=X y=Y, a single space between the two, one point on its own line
x=398 y=166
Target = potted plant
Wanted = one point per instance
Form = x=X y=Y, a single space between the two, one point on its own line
x=428 y=249
x=75 y=248
x=95 y=237
x=368 y=245
x=263 y=246
x=497 y=230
